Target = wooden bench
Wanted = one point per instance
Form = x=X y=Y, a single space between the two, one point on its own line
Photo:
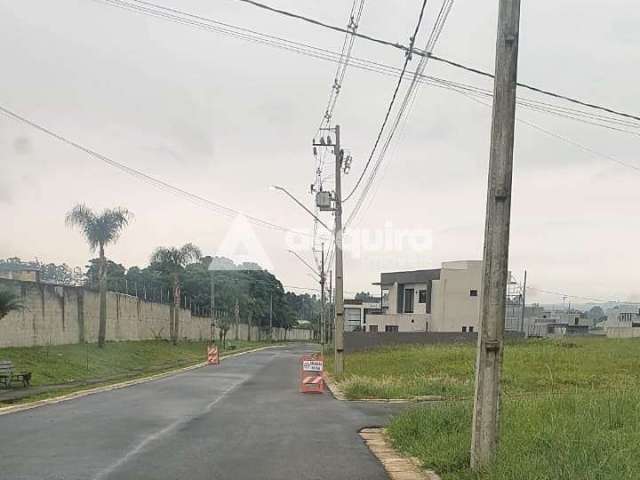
x=8 y=374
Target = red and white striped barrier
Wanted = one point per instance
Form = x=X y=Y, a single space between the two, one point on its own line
x=312 y=373
x=213 y=358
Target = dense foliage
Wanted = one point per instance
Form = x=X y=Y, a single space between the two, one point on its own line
x=250 y=286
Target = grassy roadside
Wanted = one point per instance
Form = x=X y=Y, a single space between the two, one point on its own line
x=536 y=366
x=570 y=410
x=586 y=436
x=69 y=368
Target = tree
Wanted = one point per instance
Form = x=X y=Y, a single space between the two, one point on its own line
x=366 y=297
x=596 y=313
x=100 y=230
x=172 y=261
x=9 y=302
x=115 y=273
x=224 y=324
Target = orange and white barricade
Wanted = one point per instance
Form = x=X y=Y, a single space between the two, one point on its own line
x=312 y=373
x=213 y=358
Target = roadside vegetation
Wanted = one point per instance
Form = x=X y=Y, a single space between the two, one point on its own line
x=73 y=367
x=570 y=410
x=586 y=436
x=531 y=367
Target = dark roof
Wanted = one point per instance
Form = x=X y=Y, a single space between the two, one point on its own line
x=415 y=276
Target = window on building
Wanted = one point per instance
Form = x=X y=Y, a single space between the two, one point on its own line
x=391 y=328
x=384 y=302
x=373 y=328
x=422 y=296
x=471 y=329
x=473 y=293
x=464 y=329
x=408 y=300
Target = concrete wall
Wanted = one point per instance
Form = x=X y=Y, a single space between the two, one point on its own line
x=623 y=332
x=60 y=315
x=406 y=322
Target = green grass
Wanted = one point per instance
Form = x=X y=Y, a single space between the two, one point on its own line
x=78 y=365
x=586 y=436
x=536 y=366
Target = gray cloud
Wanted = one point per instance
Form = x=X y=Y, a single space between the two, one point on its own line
x=226 y=118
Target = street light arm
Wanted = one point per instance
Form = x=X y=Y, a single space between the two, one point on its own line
x=284 y=190
x=305 y=262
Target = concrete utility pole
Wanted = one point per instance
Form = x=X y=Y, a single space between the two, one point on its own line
x=271 y=317
x=331 y=311
x=236 y=314
x=339 y=333
x=484 y=437
x=213 y=309
x=323 y=325
x=524 y=302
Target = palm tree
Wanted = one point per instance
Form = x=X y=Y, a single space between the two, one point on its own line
x=172 y=260
x=9 y=302
x=100 y=230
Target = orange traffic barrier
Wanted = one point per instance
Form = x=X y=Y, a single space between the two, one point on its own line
x=212 y=355
x=312 y=373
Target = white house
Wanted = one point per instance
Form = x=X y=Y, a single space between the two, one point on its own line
x=623 y=322
x=356 y=313
x=445 y=299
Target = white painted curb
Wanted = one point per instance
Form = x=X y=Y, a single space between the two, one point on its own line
x=397 y=465
x=117 y=386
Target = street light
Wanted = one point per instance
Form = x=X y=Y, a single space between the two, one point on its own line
x=320 y=274
x=286 y=192
x=321 y=277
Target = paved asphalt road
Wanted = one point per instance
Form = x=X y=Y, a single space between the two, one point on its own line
x=243 y=419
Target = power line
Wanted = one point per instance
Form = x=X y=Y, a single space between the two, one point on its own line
x=209 y=24
x=310 y=289
x=564 y=139
x=322 y=24
x=407 y=103
x=345 y=56
x=376 y=67
x=599 y=300
x=355 y=15
x=428 y=53
x=538 y=90
x=391 y=103
x=217 y=207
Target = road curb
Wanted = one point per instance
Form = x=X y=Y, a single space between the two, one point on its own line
x=338 y=394
x=397 y=465
x=334 y=388
x=117 y=386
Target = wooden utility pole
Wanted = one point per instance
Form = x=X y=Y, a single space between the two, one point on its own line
x=495 y=268
x=339 y=332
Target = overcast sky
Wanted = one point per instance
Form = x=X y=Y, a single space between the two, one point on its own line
x=225 y=118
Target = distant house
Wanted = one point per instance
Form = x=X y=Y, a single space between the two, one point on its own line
x=445 y=299
x=356 y=313
x=549 y=323
x=623 y=322
x=22 y=273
